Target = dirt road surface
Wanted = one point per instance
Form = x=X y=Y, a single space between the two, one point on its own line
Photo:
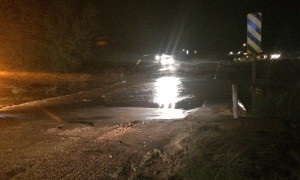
x=48 y=148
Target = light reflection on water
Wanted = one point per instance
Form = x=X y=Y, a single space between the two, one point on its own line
x=167 y=92
x=168 y=68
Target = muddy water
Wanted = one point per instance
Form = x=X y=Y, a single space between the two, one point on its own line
x=171 y=92
x=163 y=93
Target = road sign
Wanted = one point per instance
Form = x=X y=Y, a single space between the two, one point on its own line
x=254 y=32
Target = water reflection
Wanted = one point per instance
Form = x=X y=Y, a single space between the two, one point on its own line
x=167 y=92
x=168 y=68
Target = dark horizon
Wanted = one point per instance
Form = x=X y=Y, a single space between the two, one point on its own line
x=208 y=26
x=68 y=33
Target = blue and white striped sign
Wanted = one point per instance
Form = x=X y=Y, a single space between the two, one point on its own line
x=254 y=32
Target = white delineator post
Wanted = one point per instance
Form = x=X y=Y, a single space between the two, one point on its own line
x=235 y=101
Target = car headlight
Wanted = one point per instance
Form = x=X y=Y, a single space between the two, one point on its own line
x=157 y=57
x=164 y=61
x=171 y=61
x=275 y=56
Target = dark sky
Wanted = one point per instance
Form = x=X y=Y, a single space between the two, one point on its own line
x=207 y=25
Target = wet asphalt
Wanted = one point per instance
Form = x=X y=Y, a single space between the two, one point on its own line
x=173 y=88
x=157 y=92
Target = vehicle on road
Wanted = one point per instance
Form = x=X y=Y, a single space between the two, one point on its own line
x=154 y=60
x=165 y=59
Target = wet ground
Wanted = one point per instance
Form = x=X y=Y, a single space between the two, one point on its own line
x=112 y=132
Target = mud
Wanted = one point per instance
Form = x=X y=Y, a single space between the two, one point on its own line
x=130 y=150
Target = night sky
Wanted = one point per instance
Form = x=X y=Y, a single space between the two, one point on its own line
x=210 y=26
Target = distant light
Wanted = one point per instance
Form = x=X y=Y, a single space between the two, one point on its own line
x=244 y=44
x=195 y=52
x=275 y=56
x=239 y=52
x=171 y=61
x=157 y=57
x=230 y=53
x=245 y=54
x=166 y=60
x=183 y=50
x=187 y=51
x=101 y=43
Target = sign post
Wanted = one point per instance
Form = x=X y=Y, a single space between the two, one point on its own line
x=253 y=46
x=235 y=101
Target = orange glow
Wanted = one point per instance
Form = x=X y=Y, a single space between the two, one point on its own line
x=101 y=43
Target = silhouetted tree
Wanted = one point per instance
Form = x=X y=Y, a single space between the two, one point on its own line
x=56 y=35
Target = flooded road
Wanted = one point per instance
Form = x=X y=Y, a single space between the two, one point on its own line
x=162 y=93
x=169 y=89
x=116 y=132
